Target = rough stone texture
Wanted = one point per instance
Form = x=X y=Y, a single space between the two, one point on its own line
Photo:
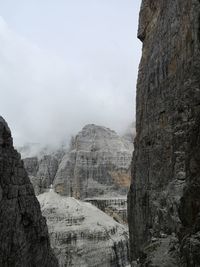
x=115 y=207
x=164 y=195
x=98 y=163
x=31 y=165
x=24 y=240
x=42 y=171
x=189 y=209
x=82 y=235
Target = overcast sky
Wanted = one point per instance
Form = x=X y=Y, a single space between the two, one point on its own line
x=67 y=63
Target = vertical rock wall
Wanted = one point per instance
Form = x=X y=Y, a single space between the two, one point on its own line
x=164 y=197
x=24 y=240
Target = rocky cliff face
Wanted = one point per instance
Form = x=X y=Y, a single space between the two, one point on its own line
x=164 y=194
x=42 y=171
x=24 y=237
x=82 y=235
x=98 y=163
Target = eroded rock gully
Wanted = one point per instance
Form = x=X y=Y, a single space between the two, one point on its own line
x=42 y=171
x=164 y=197
x=24 y=240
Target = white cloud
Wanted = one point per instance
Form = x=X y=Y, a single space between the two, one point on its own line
x=46 y=99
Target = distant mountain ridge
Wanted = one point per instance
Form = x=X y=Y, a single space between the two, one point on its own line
x=97 y=161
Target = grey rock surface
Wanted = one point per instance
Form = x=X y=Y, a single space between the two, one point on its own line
x=31 y=165
x=115 y=207
x=98 y=163
x=42 y=170
x=24 y=240
x=82 y=235
x=164 y=195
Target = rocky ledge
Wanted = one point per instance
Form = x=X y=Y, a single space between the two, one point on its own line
x=116 y=207
x=82 y=235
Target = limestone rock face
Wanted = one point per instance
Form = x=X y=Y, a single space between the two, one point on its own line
x=164 y=194
x=82 y=235
x=42 y=171
x=116 y=207
x=98 y=163
x=24 y=237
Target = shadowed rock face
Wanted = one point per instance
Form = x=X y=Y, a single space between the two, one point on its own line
x=24 y=240
x=164 y=195
x=98 y=164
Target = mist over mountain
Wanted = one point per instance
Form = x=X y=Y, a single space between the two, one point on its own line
x=61 y=73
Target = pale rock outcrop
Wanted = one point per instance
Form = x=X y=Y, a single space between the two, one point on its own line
x=98 y=163
x=82 y=235
x=164 y=197
x=24 y=240
x=115 y=207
